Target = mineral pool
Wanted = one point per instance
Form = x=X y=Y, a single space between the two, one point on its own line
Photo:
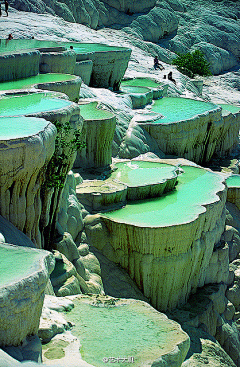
x=20 y=127
x=177 y=109
x=196 y=187
x=33 y=80
x=22 y=104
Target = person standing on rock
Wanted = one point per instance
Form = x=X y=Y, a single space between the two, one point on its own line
x=6 y=6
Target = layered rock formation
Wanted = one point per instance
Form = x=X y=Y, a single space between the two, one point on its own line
x=97 y=135
x=123 y=238
x=23 y=159
x=22 y=288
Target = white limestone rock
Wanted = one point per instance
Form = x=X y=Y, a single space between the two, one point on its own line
x=19 y=64
x=154 y=25
x=132 y=6
x=26 y=293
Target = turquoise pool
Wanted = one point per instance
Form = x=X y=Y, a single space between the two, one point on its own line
x=177 y=109
x=22 y=104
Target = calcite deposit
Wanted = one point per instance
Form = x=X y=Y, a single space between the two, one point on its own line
x=180 y=247
x=22 y=288
x=23 y=157
x=97 y=135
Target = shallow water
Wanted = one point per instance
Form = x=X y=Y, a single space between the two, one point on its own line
x=24 y=264
x=23 y=104
x=139 y=173
x=233 y=181
x=177 y=109
x=20 y=127
x=141 y=82
x=91 y=47
x=134 y=89
x=230 y=107
x=195 y=188
x=24 y=44
x=89 y=111
x=29 y=82
x=119 y=331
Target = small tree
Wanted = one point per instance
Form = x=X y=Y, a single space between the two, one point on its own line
x=192 y=63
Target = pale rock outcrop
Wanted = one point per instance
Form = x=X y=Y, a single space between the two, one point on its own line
x=74 y=273
x=132 y=6
x=84 y=70
x=57 y=62
x=29 y=350
x=159 y=22
x=26 y=292
x=137 y=141
x=201 y=136
x=109 y=67
x=206 y=310
x=219 y=58
x=22 y=161
x=70 y=87
x=97 y=137
x=70 y=211
x=205 y=350
x=10 y=234
x=21 y=64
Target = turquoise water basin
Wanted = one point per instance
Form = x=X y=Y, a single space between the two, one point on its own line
x=196 y=187
x=20 y=127
x=233 y=181
x=23 y=44
x=141 y=82
x=81 y=48
x=89 y=111
x=177 y=109
x=134 y=89
x=140 y=173
x=91 y=47
x=17 y=263
x=138 y=333
x=37 y=79
x=230 y=107
x=22 y=104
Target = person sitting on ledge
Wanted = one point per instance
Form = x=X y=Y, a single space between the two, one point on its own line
x=10 y=37
x=171 y=78
x=157 y=64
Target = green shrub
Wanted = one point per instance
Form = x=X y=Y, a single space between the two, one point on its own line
x=192 y=63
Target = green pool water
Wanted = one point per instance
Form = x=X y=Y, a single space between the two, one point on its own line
x=233 y=181
x=23 y=104
x=177 y=109
x=140 y=173
x=91 y=47
x=132 y=89
x=195 y=188
x=37 y=79
x=141 y=82
x=23 y=44
x=230 y=107
x=20 y=127
x=17 y=263
x=89 y=111
x=121 y=331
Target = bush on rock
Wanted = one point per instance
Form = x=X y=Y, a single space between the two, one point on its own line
x=192 y=63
